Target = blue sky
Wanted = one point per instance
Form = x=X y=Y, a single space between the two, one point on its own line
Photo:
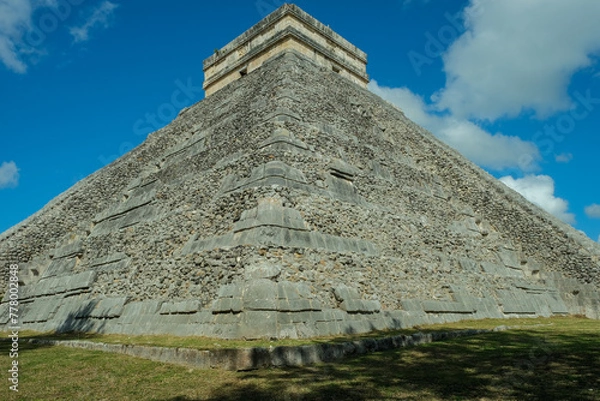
x=513 y=85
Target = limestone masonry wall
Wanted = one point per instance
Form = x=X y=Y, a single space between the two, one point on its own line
x=293 y=203
x=286 y=28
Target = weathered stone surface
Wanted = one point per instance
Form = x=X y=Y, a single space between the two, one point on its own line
x=271 y=173
x=271 y=224
x=70 y=250
x=447 y=307
x=343 y=292
x=59 y=285
x=59 y=267
x=270 y=213
x=509 y=258
x=260 y=294
x=40 y=310
x=268 y=197
x=108 y=308
x=106 y=260
x=282 y=139
x=360 y=306
x=196 y=144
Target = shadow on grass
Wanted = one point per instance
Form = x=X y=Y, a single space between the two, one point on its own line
x=502 y=365
x=77 y=325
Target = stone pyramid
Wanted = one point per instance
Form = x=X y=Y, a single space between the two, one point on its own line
x=292 y=202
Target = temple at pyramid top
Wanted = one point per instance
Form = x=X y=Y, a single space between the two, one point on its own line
x=286 y=28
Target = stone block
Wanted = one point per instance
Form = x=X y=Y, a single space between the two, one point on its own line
x=296 y=356
x=515 y=302
x=342 y=292
x=142 y=198
x=509 y=258
x=297 y=305
x=239 y=359
x=136 y=216
x=110 y=259
x=260 y=304
x=530 y=287
x=360 y=306
x=500 y=270
x=343 y=170
x=60 y=284
x=280 y=142
x=269 y=212
x=173 y=320
x=325 y=329
x=283 y=115
x=298 y=239
x=330 y=315
x=80 y=280
x=258 y=324
x=287 y=331
x=412 y=305
x=355 y=327
x=447 y=307
x=59 y=267
x=40 y=310
x=181 y=307
x=285 y=318
x=556 y=303
x=225 y=331
x=466 y=226
x=227 y=318
x=532 y=267
x=260 y=294
x=202 y=318
x=109 y=308
x=136 y=311
x=69 y=251
x=230 y=291
x=437 y=190
x=379 y=171
x=287 y=290
x=382 y=323
x=226 y=305
x=341 y=188
x=144 y=180
x=295 y=317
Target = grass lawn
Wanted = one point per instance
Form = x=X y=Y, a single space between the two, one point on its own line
x=543 y=359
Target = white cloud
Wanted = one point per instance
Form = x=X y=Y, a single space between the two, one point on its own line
x=563 y=157
x=22 y=34
x=593 y=211
x=9 y=175
x=495 y=151
x=539 y=189
x=99 y=17
x=517 y=56
x=15 y=20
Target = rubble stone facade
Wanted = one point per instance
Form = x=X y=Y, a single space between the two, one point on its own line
x=292 y=203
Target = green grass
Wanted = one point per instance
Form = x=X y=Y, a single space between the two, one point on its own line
x=543 y=359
